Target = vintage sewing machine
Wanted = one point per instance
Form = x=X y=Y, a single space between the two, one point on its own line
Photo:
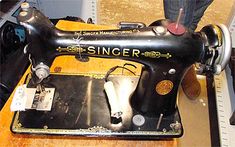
x=121 y=106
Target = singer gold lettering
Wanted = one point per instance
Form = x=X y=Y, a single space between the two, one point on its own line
x=108 y=51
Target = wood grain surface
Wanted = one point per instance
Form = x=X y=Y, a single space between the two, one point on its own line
x=111 y=12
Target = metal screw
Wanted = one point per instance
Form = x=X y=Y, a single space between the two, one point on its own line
x=138 y=120
x=159 y=30
x=172 y=71
x=175 y=126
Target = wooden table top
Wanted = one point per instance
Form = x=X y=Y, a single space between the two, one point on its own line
x=69 y=64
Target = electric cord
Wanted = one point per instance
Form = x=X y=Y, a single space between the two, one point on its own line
x=116 y=67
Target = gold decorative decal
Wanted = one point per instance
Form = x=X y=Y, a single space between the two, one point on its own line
x=113 y=51
x=154 y=54
x=164 y=87
x=108 y=32
x=71 y=49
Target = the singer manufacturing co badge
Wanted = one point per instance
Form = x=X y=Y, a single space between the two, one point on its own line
x=164 y=87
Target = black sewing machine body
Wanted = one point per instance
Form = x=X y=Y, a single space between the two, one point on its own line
x=158 y=52
x=164 y=55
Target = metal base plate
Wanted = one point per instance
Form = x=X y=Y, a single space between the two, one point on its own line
x=80 y=107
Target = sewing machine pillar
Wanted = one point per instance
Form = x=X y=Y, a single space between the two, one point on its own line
x=156 y=92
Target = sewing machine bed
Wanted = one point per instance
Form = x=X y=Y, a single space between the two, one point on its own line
x=80 y=107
